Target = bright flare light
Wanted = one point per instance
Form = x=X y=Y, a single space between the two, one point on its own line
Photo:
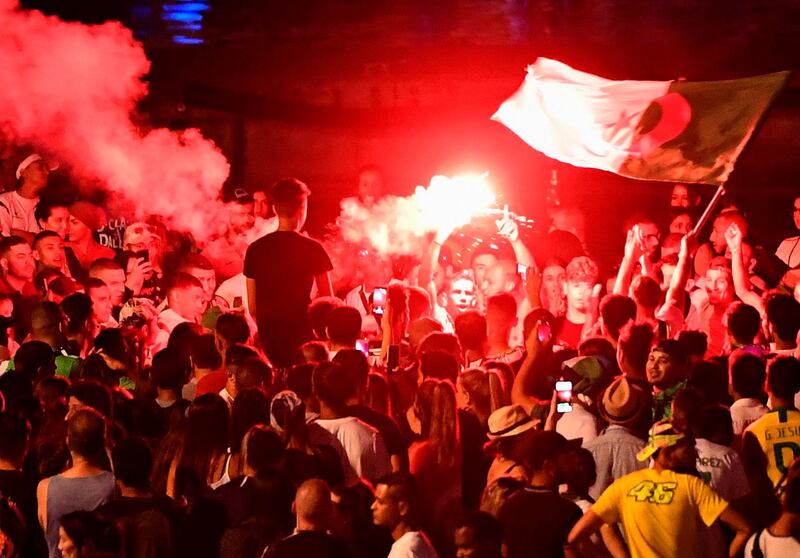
x=398 y=225
x=453 y=202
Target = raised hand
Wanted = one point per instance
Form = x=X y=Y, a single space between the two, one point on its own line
x=634 y=244
x=733 y=236
x=507 y=227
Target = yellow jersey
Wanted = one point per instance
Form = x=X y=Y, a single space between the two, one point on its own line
x=778 y=434
x=662 y=513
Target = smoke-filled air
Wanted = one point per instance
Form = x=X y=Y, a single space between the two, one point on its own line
x=398 y=225
x=70 y=89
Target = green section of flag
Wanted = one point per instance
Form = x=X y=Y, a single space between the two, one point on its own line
x=724 y=115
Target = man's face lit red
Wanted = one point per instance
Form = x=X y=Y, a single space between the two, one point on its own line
x=385 y=511
x=191 y=303
x=496 y=281
x=480 y=265
x=718 y=287
x=461 y=296
x=717 y=236
x=578 y=294
x=241 y=217
x=50 y=253
x=101 y=304
x=553 y=279
x=370 y=186
x=680 y=196
x=36 y=174
x=115 y=281
x=20 y=263
x=661 y=369
x=207 y=278
x=58 y=221
x=261 y=205
x=651 y=238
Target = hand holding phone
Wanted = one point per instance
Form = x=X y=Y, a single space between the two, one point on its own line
x=378 y=301
x=564 y=396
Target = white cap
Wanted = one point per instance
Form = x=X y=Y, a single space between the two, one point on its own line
x=29 y=160
x=26 y=162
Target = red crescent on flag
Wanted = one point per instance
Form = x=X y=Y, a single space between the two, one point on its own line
x=676 y=113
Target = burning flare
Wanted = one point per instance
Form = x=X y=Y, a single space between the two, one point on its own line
x=398 y=225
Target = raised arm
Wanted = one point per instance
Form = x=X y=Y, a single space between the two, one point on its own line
x=633 y=251
x=521 y=389
x=741 y=281
x=677 y=285
x=509 y=229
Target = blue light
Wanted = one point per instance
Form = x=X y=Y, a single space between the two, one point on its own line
x=190 y=17
x=187 y=7
x=184 y=40
x=179 y=27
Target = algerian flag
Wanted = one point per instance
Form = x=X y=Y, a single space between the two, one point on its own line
x=652 y=130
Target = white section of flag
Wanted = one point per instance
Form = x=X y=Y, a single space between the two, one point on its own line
x=575 y=117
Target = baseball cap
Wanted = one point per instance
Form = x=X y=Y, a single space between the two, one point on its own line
x=661 y=435
x=31 y=159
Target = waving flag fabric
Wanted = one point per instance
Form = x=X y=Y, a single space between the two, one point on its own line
x=652 y=130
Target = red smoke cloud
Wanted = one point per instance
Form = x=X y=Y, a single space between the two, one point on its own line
x=70 y=89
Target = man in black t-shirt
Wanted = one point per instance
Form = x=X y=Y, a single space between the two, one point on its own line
x=18 y=519
x=536 y=521
x=314 y=511
x=281 y=268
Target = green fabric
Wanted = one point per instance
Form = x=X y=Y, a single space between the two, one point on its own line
x=723 y=117
x=127 y=382
x=66 y=365
x=662 y=402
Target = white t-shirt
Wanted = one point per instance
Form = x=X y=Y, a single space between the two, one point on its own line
x=413 y=544
x=363 y=445
x=721 y=468
x=16 y=212
x=772 y=546
x=577 y=424
x=744 y=412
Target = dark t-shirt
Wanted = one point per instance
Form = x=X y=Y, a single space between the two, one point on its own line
x=308 y=544
x=20 y=489
x=146 y=525
x=283 y=265
x=536 y=522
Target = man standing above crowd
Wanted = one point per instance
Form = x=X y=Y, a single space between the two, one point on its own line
x=17 y=207
x=281 y=268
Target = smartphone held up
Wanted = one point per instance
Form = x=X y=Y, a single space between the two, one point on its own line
x=563 y=396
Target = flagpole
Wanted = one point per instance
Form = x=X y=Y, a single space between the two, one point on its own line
x=707 y=213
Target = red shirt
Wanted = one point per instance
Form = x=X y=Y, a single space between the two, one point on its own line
x=211 y=383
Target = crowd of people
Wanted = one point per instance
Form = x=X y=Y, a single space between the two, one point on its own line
x=245 y=398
